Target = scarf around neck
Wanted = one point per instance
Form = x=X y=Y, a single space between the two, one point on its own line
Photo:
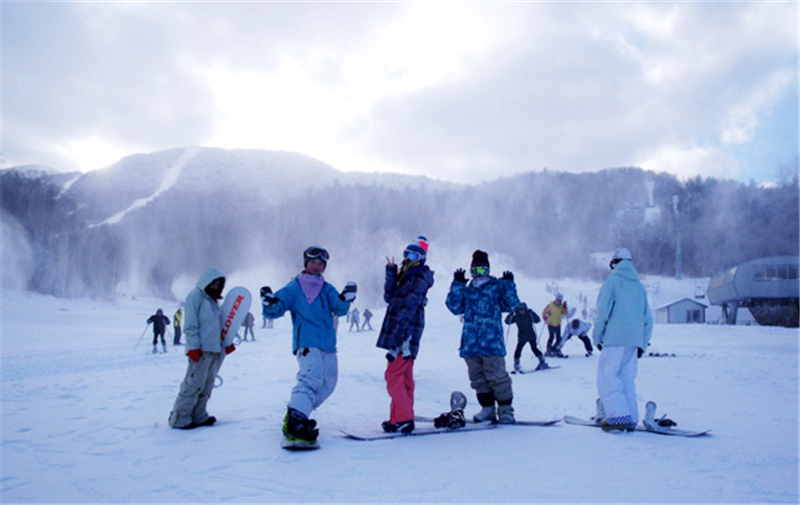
x=311 y=285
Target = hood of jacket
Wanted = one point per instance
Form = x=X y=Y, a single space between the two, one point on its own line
x=208 y=277
x=626 y=269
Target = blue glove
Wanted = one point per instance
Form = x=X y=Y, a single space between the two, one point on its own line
x=348 y=294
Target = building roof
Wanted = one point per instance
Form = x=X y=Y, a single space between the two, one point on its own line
x=667 y=305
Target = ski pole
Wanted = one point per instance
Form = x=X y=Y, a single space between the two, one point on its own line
x=142 y=336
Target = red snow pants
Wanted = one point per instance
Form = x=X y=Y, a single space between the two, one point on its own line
x=400 y=385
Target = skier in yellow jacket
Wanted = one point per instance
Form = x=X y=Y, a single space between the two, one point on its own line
x=552 y=315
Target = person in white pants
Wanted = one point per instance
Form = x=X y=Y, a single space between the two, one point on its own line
x=622 y=331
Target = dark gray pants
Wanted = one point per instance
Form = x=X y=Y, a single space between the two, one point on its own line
x=487 y=374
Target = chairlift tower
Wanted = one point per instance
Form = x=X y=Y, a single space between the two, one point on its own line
x=678 y=253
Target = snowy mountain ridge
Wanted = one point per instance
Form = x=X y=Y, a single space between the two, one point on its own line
x=258 y=177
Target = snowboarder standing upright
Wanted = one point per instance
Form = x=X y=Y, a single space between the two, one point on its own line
x=525 y=318
x=160 y=323
x=406 y=293
x=204 y=348
x=622 y=331
x=482 y=301
x=312 y=302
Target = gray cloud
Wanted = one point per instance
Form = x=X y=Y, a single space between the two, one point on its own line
x=574 y=86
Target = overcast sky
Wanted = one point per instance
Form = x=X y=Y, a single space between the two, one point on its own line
x=457 y=91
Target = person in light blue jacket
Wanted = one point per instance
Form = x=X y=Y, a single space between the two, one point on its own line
x=205 y=350
x=622 y=331
x=313 y=303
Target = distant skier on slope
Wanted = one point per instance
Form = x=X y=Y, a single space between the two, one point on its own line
x=552 y=315
x=160 y=323
x=580 y=329
x=525 y=318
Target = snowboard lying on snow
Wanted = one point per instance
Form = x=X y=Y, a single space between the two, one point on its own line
x=418 y=432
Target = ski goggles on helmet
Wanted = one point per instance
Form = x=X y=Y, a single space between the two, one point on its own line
x=478 y=271
x=412 y=255
x=315 y=252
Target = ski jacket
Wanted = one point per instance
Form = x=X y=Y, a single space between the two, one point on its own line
x=202 y=326
x=177 y=318
x=312 y=323
x=160 y=322
x=583 y=328
x=552 y=313
x=525 y=322
x=482 y=307
x=623 y=314
x=405 y=316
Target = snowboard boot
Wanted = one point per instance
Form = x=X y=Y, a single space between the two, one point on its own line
x=297 y=427
x=601 y=412
x=403 y=426
x=517 y=368
x=542 y=365
x=618 y=423
x=506 y=414
x=486 y=414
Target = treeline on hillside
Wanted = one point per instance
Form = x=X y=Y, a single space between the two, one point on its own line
x=547 y=223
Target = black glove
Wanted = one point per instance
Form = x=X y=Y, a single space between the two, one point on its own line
x=460 y=275
x=599 y=347
x=268 y=301
x=508 y=276
x=348 y=294
x=266 y=291
x=640 y=352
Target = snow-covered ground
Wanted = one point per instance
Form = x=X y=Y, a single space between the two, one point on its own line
x=84 y=416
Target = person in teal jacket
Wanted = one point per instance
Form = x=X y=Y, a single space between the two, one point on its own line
x=205 y=350
x=313 y=303
x=483 y=347
x=622 y=331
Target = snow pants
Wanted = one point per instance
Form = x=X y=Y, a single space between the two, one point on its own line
x=316 y=379
x=399 y=377
x=554 y=337
x=521 y=341
x=488 y=375
x=156 y=337
x=616 y=383
x=196 y=388
x=177 y=339
x=587 y=344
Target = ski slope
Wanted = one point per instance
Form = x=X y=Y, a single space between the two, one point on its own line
x=84 y=417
